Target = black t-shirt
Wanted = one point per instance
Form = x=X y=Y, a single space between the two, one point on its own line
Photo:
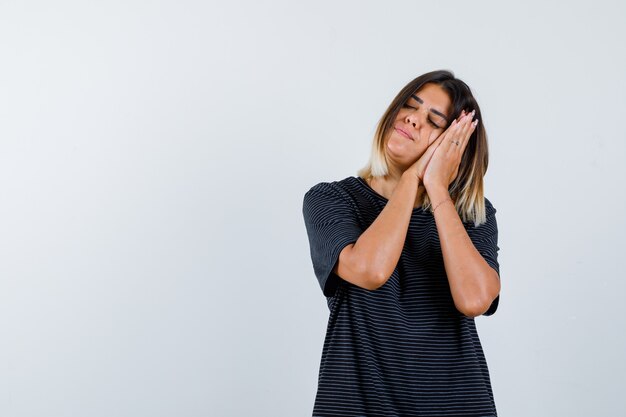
x=403 y=349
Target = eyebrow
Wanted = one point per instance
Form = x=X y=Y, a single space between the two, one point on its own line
x=437 y=112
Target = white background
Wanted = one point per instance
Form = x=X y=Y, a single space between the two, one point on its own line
x=153 y=161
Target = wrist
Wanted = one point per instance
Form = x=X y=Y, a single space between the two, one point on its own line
x=442 y=202
x=412 y=175
x=437 y=193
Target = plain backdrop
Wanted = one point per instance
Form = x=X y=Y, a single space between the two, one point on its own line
x=153 y=161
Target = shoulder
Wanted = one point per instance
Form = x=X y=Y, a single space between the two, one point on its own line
x=339 y=190
x=489 y=207
x=329 y=203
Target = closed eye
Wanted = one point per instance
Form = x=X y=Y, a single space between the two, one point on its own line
x=429 y=121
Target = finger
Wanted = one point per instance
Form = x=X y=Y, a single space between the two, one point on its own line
x=468 y=135
x=444 y=135
x=467 y=125
x=434 y=137
x=463 y=113
x=433 y=148
x=435 y=145
x=455 y=132
x=473 y=126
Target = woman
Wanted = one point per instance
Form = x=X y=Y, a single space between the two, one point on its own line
x=406 y=254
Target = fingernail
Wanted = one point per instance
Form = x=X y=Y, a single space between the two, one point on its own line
x=473 y=112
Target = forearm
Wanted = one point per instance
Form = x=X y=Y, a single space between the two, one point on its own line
x=380 y=246
x=473 y=282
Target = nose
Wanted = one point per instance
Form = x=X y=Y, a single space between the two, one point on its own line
x=414 y=118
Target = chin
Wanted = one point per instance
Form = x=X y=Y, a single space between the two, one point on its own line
x=403 y=152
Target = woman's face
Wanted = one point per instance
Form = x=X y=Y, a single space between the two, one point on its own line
x=419 y=122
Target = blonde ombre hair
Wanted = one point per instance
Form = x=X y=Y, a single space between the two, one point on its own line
x=467 y=188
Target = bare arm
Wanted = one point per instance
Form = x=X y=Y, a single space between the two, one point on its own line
x=474 y=284
x=371 y=260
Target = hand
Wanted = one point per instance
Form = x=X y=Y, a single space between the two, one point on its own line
x=419 y=167
x=443 y=166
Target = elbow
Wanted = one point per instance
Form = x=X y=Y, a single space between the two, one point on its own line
x=474 y=310
x=370 y=276
x=362 y=276
x=360 y=271
x=377 y=279
x=479 y=304
x=478 y=307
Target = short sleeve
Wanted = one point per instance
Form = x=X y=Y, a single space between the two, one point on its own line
x=331 y=224
x=485 y=239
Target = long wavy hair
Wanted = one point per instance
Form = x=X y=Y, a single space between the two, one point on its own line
x=467 y=188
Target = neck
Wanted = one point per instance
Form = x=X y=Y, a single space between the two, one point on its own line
x=393 y=175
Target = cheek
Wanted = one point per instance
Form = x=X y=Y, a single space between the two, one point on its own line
x=434 y=135
x=423 y=147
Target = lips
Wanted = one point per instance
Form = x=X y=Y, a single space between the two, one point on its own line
x=403 y=133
